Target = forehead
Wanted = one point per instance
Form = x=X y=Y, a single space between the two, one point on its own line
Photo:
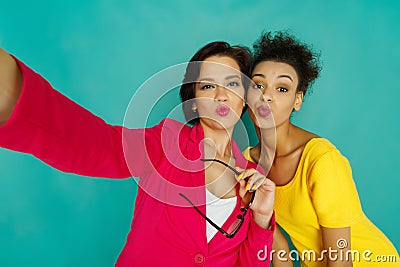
x=219 y=67
x=273 y=69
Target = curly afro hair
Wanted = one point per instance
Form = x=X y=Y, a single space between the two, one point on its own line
x=283 y=47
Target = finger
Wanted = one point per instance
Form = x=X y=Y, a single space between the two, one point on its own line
x=249 y=185
x=246 y=174
x=240 y=176
x=268 y=182
x=242 y=188
x=248 y=196
x=257 y=183
x=267 y=185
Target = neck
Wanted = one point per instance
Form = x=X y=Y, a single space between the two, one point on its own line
x=273 y=144
x=219 y=140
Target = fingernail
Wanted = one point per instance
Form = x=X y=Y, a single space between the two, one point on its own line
x=253 y=188
x=247 y=187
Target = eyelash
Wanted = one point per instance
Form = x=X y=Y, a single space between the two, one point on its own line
x=207 y=86
x=258 y=86
x=211 y=86
x=279 y=89
x=233 y=84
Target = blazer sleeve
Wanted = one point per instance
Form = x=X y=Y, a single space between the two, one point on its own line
x=68 y=137
x=256 y=248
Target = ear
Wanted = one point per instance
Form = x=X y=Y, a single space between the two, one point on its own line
x=298 y=101
x=194 y=107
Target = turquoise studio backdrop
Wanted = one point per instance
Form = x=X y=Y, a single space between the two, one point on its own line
x=99 y=52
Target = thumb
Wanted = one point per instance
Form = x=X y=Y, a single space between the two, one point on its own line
x=242 y=188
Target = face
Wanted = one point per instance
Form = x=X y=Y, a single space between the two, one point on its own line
x=273 y=91
x=219 y=93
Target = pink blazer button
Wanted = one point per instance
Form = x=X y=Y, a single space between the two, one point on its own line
x=199 y=258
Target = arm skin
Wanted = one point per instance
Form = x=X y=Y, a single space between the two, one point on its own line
x=10 y=85
x=281 y=244
x=330 y=237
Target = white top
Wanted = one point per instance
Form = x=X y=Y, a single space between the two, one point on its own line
x=218 y=210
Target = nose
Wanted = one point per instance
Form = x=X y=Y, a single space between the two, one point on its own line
x=266 y=95
x=220 y=94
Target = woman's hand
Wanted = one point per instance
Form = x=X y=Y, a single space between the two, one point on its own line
x=10 y=85
x=263 y=204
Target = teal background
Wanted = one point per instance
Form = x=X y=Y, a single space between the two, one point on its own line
x=99 y=52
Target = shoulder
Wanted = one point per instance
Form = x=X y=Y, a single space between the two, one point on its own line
x=318 y=147
x=166 y=132
x=321 y=152
x=168 y=127
x=321 y=157
x=172 y=124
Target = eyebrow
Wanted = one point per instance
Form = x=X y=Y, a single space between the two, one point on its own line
x=280 y=76
x=232 y=77
x=258 y=75
x=285 y=76
x=226 y=78
x=206 y=80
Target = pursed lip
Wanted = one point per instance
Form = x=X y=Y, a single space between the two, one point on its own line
x=222 y=110
x=263 y=111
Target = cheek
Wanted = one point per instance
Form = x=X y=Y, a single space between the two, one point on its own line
x=239 y=103
x=288 y=104
x=235 y=95
x=202 y=103
x=283 y=108
x=251 y=98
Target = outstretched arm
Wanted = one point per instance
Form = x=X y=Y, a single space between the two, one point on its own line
x=38 y=120
x=10 y=85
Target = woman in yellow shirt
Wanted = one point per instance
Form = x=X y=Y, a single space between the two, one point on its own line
x=316 y=199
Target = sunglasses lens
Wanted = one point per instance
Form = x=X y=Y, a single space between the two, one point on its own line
x=235 y=226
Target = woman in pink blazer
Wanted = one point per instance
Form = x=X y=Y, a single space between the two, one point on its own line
x=171 y=225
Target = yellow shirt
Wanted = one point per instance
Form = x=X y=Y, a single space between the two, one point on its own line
x=322 y=193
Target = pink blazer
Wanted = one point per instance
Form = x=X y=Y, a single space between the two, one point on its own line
x=165 y=230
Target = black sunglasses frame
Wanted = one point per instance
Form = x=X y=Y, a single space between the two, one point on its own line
x=240 y=217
